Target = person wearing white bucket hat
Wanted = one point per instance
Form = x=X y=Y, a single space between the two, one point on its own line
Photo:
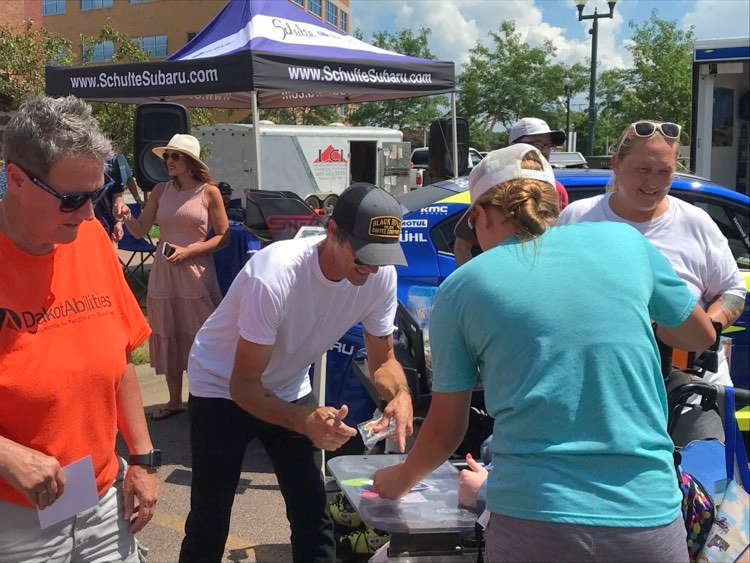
x=183 y=289
x=184 y=144
x=566 y=355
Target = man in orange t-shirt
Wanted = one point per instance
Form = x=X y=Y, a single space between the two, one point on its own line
x=68 y=324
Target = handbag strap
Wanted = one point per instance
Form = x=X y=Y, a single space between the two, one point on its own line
x=734 y=448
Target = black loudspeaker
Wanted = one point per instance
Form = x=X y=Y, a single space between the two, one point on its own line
x=440 y=159
x=744 y=112
x=155 y=124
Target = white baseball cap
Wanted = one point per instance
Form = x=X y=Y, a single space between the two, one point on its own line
x=496 y=168
x=534 y=126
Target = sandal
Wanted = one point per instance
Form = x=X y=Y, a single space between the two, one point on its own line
x=166 y=412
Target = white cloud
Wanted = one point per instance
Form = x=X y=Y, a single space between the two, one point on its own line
x=715 y=19
x=457 y=25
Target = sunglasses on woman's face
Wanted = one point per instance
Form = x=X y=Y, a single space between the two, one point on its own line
x=173 y=155
x=470 y=220
x=648 y=128
x=71 y=202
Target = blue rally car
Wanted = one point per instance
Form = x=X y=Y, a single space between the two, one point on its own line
x=431 y=213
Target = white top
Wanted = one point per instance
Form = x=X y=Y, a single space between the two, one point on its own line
x=282 y=298
x=691 y=242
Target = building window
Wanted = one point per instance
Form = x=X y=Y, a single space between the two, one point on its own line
x=103 y=51
x=300 y=2
x=344 y=22
x=332 y=13
x=58 y=59
x=191 y=35
x=50 y=7
x=153 y=45
x=95 y=4
x=315 y=7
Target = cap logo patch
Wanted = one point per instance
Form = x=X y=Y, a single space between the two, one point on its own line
x=385 y=226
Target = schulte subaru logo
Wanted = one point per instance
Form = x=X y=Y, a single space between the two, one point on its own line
x=330 y=154
x=9 y=319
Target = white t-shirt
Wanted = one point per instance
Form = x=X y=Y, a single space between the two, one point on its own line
x=282 y=298
x=691 y=242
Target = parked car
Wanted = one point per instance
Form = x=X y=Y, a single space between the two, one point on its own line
x=419 y=157
x=431 y=213
x=567 y=160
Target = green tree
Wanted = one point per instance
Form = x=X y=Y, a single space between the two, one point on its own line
x=659 y=84
x=415 y=113
x=24 y=52
x=115 y=118
x=510 y=79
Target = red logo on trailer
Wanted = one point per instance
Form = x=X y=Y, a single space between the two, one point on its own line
x=331 y=155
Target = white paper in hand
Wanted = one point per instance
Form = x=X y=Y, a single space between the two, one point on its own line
x=80 y=494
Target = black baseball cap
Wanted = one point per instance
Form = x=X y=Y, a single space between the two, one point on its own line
x=371 y=218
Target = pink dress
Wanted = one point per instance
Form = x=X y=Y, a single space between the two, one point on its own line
x=180 y=296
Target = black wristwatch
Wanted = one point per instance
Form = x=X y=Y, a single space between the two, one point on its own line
x=718 y=328
x=152 y=459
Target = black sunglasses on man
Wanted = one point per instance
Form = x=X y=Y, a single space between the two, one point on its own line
x=70 y=202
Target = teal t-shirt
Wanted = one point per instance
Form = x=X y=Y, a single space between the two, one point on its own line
x=559 y=330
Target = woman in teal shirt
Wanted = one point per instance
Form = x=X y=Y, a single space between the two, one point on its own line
x=557 y=323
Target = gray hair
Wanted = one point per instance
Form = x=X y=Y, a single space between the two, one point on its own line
x=45 y=129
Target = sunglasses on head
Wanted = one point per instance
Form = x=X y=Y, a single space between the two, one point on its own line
x=648 y=128
x=71 y=202
x=173 y=155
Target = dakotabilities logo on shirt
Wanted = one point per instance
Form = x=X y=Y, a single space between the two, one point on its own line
x=70 y=311
x=9 y=320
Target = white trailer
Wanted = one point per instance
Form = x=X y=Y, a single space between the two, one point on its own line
x=721 y=112
x=315 y=162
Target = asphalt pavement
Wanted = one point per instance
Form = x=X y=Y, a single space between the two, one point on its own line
x=259 y=530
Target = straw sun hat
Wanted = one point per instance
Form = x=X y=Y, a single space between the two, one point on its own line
x=186 y=144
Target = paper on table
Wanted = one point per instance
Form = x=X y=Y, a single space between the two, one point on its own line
x=80 y=493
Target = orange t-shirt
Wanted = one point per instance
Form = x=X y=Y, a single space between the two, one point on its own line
x=67 y=320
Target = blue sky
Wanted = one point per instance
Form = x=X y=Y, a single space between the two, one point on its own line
x=458 y=24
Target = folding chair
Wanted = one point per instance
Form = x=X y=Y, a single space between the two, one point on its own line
x=134 y=267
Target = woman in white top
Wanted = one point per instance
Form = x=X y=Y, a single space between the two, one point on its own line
x=644 y=165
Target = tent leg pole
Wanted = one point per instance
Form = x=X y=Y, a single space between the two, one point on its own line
x=455 y=134
x=256 y=135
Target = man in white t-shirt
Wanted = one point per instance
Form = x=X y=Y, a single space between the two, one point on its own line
x=248 y=368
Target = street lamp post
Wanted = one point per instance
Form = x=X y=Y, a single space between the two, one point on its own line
x=566 y=86
x=594 y=31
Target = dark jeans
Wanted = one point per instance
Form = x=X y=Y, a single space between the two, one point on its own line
x=219 y=434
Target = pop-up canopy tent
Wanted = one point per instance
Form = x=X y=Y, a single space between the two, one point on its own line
x=267 y=54
x=277 y=49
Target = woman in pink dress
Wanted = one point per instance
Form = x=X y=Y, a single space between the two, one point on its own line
x=182 y=287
